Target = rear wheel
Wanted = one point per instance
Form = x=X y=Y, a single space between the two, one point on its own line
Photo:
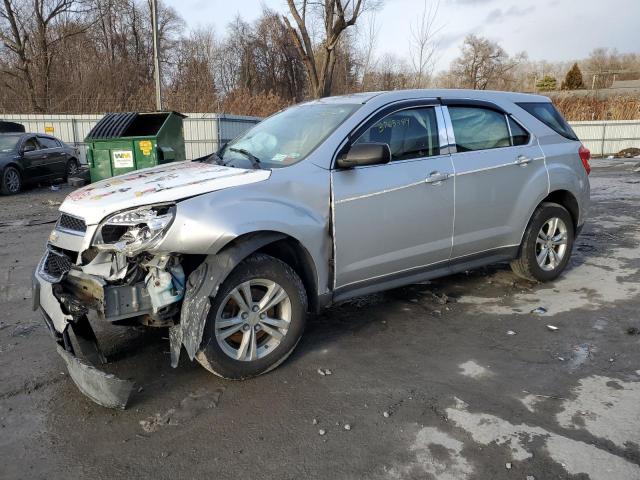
x=256 y=319
x=547 y=244
x=11 y=181
x=72 y=168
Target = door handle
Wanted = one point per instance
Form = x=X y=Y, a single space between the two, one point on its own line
x=522 y=160
x=436 y=178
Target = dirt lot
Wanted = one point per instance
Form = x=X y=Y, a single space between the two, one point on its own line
x=477 y=387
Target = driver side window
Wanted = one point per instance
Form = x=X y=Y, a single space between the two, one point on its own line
x=411 y=133
x=30 y=145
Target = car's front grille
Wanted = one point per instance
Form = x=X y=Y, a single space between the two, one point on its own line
x=74 y=224
x=55 y=264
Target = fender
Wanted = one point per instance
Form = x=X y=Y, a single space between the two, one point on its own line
x=202 y=287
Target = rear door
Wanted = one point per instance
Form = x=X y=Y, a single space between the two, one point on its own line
x=55 y=157
x=500 y=171
x=394 y=219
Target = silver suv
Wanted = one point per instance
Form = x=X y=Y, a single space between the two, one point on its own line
x=319 y=203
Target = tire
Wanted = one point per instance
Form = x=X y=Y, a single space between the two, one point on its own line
x=226 y=357
x=71 y=168
x=11 y=181
x=558 y=245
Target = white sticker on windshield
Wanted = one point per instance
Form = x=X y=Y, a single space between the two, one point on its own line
x=283 y=157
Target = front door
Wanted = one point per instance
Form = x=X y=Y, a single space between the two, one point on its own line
x=397 y=218
x=33 y=159
x=498 y=168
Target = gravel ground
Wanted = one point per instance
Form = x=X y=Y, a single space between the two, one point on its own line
x=453 y=379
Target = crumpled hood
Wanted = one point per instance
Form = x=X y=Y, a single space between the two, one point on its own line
x=164 y=183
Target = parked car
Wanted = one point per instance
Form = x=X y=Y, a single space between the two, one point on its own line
x=32 y=157
x=321 y=202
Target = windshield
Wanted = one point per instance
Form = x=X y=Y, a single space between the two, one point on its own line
x=8 y=142
x=288 y=136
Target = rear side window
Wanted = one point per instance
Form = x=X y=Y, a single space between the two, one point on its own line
x=411 y=133
x=547 y=114
x=479 y=128
x=518 y=134
x=47 y=142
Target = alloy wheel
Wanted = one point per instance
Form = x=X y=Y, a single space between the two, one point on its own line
x=12 y=180
x=551 y=244
x=253 y=319
x=72 y=168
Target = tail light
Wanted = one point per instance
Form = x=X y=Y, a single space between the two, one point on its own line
x=585 y=156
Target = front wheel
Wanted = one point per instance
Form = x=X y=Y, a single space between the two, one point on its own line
x=11 y=181
x=546 y=245
x=256 y=319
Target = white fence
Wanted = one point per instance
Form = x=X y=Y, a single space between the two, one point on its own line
x=205 y=132
x=608 y=137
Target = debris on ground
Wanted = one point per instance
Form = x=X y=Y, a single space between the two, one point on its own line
x=321 y=432
x=539 y=310
x=511 y=332
x=347 y=426
x=552 y=328
x=531 y=477
x=153 y=424
x=52 y=203
x=385 y=414
x=24 y=330
x=633 y=331
x=77 y=182
x=507 y=466
x=55 y=188
x=324 y=371
x=314 y=421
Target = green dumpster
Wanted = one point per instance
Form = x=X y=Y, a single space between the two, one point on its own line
x=122 y=142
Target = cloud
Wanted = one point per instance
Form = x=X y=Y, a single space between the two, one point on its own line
x=497 y=15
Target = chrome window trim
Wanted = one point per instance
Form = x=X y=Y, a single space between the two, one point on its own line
x=453 y=148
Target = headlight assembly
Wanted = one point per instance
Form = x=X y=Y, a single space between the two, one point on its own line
x=134 y=231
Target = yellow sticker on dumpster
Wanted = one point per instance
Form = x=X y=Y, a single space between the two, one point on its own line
x=146 y=146
x=122 y=159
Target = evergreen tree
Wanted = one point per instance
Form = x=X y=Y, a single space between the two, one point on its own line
x=573 y=80
x=547 y=83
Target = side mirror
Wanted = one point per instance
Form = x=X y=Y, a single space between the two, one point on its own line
x=365 y=154
x=30 y=147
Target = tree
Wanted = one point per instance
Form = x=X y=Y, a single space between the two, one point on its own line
x=573 y=80
x=547 y=83
x=320 y=60
x=33 y=33
x=422 y=45
x=483 y=63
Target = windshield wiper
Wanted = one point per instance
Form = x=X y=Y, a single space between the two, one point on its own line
x=255 y=161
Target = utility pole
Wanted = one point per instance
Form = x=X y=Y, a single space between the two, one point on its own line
x=156 y=55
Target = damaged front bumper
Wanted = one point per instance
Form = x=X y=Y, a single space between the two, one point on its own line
x=65 y=292
x=103 y=388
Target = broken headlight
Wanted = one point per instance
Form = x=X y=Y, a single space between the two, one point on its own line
x=135 y=231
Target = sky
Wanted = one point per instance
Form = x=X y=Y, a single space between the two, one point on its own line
x=553 y=30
